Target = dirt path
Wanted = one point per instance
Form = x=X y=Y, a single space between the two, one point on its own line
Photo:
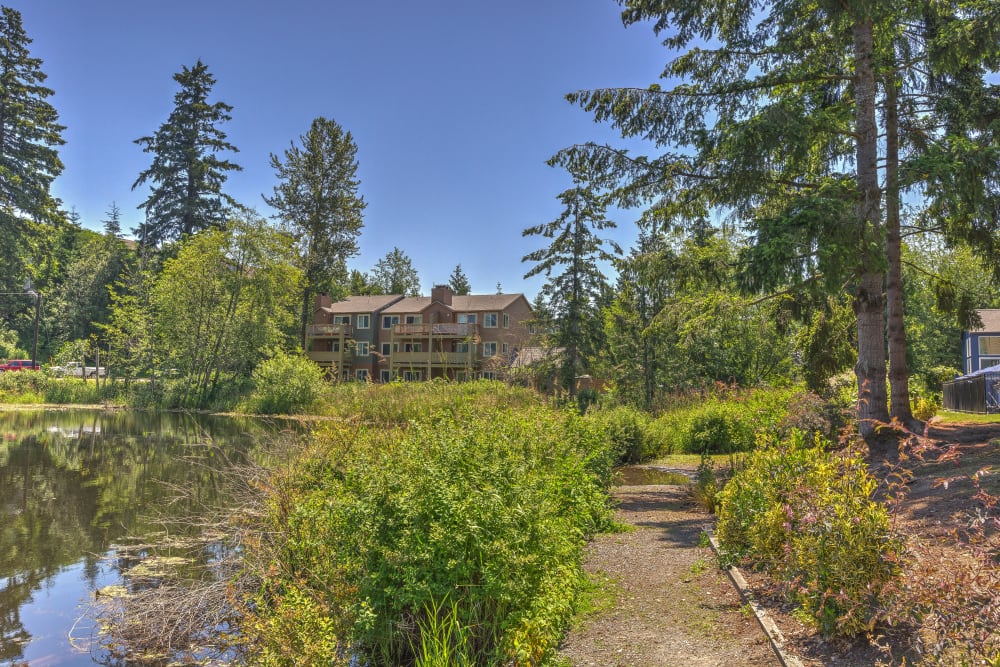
x=674 y=606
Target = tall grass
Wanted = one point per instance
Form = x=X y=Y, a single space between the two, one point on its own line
x=398 y=403
x=36 y=387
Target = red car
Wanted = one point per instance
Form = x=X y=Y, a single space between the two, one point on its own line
x=19 y=365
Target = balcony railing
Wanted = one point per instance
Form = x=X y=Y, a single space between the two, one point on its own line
x=418 y=359
x=438 y=329
x=325 y=356
x=329 y=330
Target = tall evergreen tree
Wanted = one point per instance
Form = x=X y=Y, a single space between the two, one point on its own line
x=459 y=282
x=575 y=294
x=187 y=174
x=777 y=128
x=29 y=135
x=317 y=197
x=113 y=223
x=394 y=274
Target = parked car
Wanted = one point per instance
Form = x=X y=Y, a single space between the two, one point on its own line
x=19 y=365
x=78 y=370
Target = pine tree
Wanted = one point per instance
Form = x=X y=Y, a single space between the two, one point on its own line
x=576 y=293
x=317 y=198
x=186 y=174
x=776 y=128
x=29 y=135
x=113 y=223
x=459 y=282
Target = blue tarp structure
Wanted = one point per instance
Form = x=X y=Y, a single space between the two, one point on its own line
x=978 y=392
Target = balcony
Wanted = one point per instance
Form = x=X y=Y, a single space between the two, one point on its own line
x=420 y=359
x=329 y=330
x=324 y=357
x=438 y=329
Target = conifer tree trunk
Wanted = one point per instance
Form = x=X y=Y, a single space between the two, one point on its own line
x=899 y=372
x=868 y=298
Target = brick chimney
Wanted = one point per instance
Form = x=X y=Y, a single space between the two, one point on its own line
x=442 y=294
x=321 y=301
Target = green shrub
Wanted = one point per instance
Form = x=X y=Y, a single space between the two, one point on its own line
x=925 y=407
x=809 y=413
x=734 y=421
x=926 y=390
x=487 y=510
x=720 y=429
x=285 y=384
x=807 y=516
x=23 y=386
x=626 y=429
x=666 y=433
x=934 y=378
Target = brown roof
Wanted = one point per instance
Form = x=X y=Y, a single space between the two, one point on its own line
x=990 y=318
x=410 y=304
x=362 y=304
x=461 y=304
x=474 y=302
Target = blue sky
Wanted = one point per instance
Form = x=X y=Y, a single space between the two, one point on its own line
x=455 y=106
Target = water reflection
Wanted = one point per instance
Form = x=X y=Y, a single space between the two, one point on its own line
x=72 y=484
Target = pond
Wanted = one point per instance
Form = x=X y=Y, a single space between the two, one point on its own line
x=75 y=487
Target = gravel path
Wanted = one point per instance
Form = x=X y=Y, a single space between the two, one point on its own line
x=674 y=606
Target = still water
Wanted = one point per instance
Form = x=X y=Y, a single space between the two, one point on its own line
x=74 y=487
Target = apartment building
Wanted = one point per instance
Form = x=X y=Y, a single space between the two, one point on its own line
x=343 y=335
x=420 y=338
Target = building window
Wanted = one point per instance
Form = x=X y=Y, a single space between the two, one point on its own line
x=989 y=345
x=489 y=375
x=503 y=348
x=364 y=321
x=988 y=361
x=531 y=329
x=490 y=349
x=412 y=376
x=362 y=374
x=386 y=349
x=412 y=347
x=490 y=320
x=461 y=376
x=462 y=347
x=362 y=350
x=385 y=376
x=466 y=318
x=414 y=319
x=335 y=346
x=341 y=319
x=388 y=321
x=506 y=321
